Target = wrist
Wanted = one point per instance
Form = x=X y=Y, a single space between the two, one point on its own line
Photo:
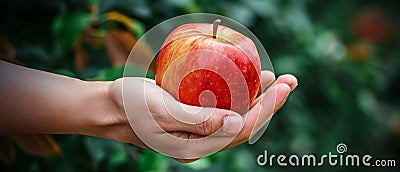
x=105 y=116
x=99 y=110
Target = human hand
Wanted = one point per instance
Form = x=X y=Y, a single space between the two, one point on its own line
x=188 y=132
x=141 y=114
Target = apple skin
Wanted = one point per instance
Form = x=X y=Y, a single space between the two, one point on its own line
x=200 y=70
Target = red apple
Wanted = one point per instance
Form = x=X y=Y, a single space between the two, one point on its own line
x=209 y=65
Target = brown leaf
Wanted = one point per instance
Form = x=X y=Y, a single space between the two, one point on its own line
x=358 y=52
x=81 y=58
x=7 y=51
x=37 y=144
x=7 y=152
x=118 y=45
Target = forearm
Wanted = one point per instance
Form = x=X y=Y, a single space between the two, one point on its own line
x=34 y=101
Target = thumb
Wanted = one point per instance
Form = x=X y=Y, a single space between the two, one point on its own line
x=203 y=120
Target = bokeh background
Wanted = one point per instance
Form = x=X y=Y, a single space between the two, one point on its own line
x=345 y=54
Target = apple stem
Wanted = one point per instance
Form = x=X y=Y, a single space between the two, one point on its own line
x=215 y=28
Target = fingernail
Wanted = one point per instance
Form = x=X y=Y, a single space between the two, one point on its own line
x=232 y=124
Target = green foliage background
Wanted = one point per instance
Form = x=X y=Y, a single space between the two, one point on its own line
x=342 y=97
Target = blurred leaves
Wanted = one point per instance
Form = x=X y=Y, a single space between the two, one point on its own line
x=200 y=164
x=132 y=25
x=65 y=72
x=359 y=51
x=109 y=74
x=134 y=7
x=68 y=27
x=371 y=25
x=101 y=150
x=242 y=14
x=7 y=51
x=118 y=45
x=81 y=58
x=37 y=144
x=152 y=161
x=7 y=152
x=344 y=53
x=327 y=45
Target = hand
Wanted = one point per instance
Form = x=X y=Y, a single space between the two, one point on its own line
x=157 y=117
x=157 y=120
x=54 y=104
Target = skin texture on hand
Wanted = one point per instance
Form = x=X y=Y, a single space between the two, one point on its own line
x=37 y=102
x=165 y=110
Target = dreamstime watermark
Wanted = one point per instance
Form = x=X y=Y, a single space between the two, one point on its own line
x=332 y=159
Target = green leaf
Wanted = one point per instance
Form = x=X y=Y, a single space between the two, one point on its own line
x=68 y=27
x=134 y=71
x=100 y=149
x=200 y=164
x=117 y=159
x=140 y=29
x=112 y=73
x=152 y=161
x=65 y=72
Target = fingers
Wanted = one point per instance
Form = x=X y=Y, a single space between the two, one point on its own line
x=273 y=100
x=183 y=123
x=176 y=126
x=229 y=122
x=269 y=102
x=164 y=115
x=187 y=149
x=203 y=121
x=263 y=110
x=267 y=77
x=288 y=79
